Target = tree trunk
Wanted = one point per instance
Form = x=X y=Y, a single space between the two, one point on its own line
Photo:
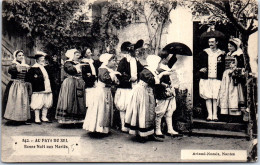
x=249 y=87
x=159 y=35
x=244 y=40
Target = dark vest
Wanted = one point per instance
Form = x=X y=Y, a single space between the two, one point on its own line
x=35 y=77
x=203 y=63
x=160 y=90
x=124 y=69
x=87 y=76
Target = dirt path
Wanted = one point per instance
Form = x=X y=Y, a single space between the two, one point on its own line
x=117 y=146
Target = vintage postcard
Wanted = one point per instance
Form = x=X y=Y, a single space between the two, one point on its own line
x=129 y=81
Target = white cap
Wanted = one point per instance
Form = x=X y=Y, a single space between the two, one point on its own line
x=104 y=58
x=70 y=54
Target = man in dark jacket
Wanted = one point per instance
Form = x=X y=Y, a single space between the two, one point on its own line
x=53 y=68
x=129 y=67
x=211 y=68
x=41 y=99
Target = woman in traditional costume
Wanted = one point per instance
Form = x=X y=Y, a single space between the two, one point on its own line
x=17 y=106
x=140 y=113
x=71 y=106
x=89 y=75
x=231 y=97
x=99 y=116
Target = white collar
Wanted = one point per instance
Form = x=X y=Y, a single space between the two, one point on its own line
x=238 y=52
x=37 y=65
x=21 y=64
x=129 y=57
x=210 y=52
x=87 y=60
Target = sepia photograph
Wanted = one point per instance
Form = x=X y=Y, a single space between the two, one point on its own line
x=129 y=81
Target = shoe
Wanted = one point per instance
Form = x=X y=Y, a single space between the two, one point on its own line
x=158 y=138
x=44 y=116
x=208 y=119
x=27 y=123
x=173 y=133
x=215 y=119
x=142 y=139
x=46 y=121
x=124 y=129
x=39 y=123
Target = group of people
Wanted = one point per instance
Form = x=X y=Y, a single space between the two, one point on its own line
x=85 y=95
x=222 y=77
x=29 y=88
x=144 y=93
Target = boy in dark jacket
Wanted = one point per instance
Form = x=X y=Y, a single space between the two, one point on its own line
x=41 y=99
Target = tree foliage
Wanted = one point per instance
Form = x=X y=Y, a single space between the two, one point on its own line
x=242 y=14
x=52 y=23
x=119 y=14
x=156 y=15
x=105 y=26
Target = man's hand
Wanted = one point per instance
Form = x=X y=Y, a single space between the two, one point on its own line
x=133 y=79
x=204 y=70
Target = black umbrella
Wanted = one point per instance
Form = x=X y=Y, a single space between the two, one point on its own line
x=176 y=48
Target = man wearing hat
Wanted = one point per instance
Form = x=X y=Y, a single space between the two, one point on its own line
x=41 y=99
x=129 y=67
x=211 y=68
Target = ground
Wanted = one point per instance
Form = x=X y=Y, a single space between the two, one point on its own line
x=117 y=146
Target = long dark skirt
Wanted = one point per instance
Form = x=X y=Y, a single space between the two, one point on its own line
x=71 y=106
x=5 y=97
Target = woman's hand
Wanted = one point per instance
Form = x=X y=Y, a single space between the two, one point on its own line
x=164 y=73
x=165 y=85
x=84 y=60
x=116 y=80
x=230 y=72
x=117 y=73
x=78 y=68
